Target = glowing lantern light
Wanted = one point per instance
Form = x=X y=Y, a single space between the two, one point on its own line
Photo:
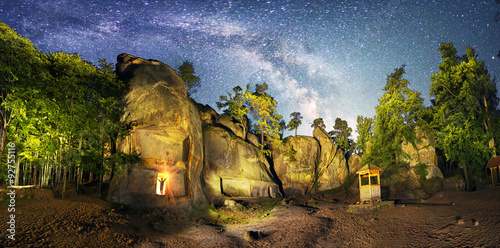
x=161 y=183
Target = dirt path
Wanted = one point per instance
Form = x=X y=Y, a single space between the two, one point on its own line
x=449 y=219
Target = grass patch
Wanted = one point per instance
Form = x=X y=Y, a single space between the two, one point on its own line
x=243 y=213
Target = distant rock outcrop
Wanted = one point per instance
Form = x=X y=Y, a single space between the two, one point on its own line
x=234 y=167
x=168 y=135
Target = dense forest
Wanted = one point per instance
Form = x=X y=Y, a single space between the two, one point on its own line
x=61 y=116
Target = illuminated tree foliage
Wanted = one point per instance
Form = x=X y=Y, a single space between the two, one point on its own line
x=64 y=119
x=236 y=106
x=397 y=116
x=465 y=99
x=20 y=66
x=341 y=133
x=263 y=109
x=365 y=133
x=318 y=122
x=295 y=122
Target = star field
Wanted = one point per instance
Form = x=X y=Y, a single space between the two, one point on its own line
x=324 y=59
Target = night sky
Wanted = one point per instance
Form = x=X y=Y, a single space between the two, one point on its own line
x=324 y=59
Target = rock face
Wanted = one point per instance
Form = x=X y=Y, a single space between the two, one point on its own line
x=332 y=167
x=168 y=135
x=355 y=162
x=423 y=153
x=207 y=114
x=295 y=163
x=226 y=121
x=234 y=167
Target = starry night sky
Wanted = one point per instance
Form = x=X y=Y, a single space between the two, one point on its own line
x=324 y=59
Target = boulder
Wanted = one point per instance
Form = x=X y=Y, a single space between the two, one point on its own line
x=332 y=167
x=253 y=139
x=234 y=167
x=355 y=162
x=422 y=152
x=295 y=162
x=167 y=135
x=208 y=115
x=227 y=121
x=455 y=183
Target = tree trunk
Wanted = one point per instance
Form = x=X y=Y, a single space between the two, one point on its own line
x=3 y=138
x=100 y=185
x=467 y=184
x=35 y=172
x=63 y=190
x=17 y=171
x=492 y=146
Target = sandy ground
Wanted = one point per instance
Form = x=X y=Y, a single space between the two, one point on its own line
x=448 y=219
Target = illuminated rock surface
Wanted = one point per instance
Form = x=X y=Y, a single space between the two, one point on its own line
x=234 y=167
x=332 y=167
x=295 y=162
x=168 y=135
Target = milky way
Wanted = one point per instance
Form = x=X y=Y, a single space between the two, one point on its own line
x=324 y=59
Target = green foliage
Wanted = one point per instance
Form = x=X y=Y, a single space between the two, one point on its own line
x=186 y=72
x=422 y=171
x=263 y=109
x=290 y=153
x=60 y=111
x=341 y=133
x=236 y=106
x=465 y=100
x=365 y=133
x=295 y=122
x=318 y=122
x=397 y=116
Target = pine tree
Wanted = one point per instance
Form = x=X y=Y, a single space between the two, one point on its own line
x=295 y=122
x=263 y=109
x=397 y=116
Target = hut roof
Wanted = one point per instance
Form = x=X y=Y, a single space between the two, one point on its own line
x=494 y=162
x=368 y=168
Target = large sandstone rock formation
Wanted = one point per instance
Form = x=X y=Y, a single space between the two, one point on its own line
x=332 y=167
x=295 y=163
x=234 y=167
x=168 y=136
x=423 y=152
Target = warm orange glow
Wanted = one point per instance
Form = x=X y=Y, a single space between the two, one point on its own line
x=161 y=183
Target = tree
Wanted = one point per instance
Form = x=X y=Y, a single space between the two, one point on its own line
x=318 y=122
x=263 y=109
x=295 y=122
x=365 y=133
x=341 y=133
x=236 y=106
x=397 y=116
x=465 y=100
x=20 y=67
x=186 y=72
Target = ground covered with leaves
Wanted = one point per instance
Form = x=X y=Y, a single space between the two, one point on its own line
x=448 y=219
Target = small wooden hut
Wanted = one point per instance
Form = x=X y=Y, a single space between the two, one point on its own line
x=494 y=166
x=369 y=183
